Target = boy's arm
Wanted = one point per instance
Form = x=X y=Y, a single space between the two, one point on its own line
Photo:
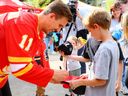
x=78 y=58
x=120 y=69
x=86 y=82
x=119 y=79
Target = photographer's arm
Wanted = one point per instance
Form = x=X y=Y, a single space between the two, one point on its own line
x=64 y=62
x=78 y=14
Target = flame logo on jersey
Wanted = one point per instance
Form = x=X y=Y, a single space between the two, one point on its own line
x=6 y=70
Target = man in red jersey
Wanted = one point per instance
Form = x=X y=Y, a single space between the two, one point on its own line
x=20 y=40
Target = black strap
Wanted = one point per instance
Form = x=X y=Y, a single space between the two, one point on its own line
x=61 y=57
x=68 y=32
x=65 y=41
x=116 y=93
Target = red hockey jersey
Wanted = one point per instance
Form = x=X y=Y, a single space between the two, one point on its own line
x=19 y=41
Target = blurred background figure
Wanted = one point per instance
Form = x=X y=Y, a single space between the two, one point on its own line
x=49 y=43
x=75 y=28
x=116 y=13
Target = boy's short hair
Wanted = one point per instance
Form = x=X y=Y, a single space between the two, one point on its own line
x=60 y=9
x=100 y=17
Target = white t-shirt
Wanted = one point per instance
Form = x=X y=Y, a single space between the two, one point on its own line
x=115 y=25
x=72 y=64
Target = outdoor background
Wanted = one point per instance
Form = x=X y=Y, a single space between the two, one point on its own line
x=42 y=3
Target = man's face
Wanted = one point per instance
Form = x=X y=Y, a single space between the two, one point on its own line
x=55 y=24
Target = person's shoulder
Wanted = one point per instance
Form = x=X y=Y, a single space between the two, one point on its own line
x=109 y=45
x=93 y=42
x=28 y=18
x=28 y=15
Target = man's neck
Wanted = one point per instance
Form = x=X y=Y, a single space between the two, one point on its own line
x=40 y=22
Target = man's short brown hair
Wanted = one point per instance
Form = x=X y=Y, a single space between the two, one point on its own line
x=100 y=17
x=60 y=9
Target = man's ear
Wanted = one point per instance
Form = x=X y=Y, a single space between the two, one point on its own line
x=52 y=15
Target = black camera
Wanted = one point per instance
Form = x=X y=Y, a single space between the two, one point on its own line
x=72 y=6
x=66 y=48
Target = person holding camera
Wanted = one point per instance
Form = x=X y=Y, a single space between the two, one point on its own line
x=75 y=28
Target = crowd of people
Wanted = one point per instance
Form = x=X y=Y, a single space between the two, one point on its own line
x=100 y=38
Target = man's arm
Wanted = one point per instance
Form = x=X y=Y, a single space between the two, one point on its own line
x=59 y=75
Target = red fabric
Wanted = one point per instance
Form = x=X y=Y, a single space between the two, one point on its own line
x=65 y=83
x=14 y=5
x=13 y=27
x=40 y=75
x=66 y=86
x=71 y=78
x=3 y=82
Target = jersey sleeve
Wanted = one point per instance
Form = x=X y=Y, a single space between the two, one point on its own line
x=22 y=42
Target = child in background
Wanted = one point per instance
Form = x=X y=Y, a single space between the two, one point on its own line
x=70 y=65
x=124 y=45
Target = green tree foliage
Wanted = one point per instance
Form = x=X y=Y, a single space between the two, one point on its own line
x=104 y=3
x=82 y=0
x=42 y=3
x=93 y=2
x=39 y=3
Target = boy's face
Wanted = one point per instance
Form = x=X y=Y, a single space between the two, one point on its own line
x=95 y=31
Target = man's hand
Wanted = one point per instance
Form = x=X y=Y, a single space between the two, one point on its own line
x=59 y=75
